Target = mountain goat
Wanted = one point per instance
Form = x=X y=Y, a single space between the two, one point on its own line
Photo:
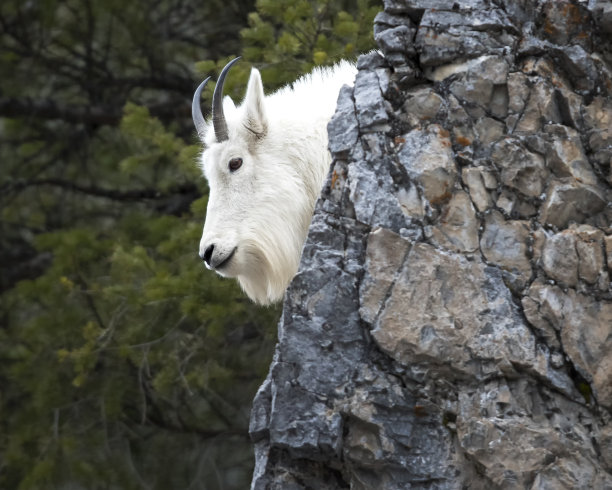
x=265 y=162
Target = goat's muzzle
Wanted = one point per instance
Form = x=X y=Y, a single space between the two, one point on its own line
x=214 y=259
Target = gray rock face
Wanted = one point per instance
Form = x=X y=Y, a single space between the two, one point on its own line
x=450 y=325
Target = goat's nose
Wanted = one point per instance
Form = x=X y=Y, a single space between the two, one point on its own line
x=208 y=254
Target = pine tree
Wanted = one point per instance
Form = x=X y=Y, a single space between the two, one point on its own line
x=123 y=363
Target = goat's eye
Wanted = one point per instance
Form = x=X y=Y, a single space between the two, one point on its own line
x=234 y=164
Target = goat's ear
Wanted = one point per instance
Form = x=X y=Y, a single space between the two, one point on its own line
x=228 y=105
x=255 y=114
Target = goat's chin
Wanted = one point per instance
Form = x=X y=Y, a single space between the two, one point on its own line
x=243 y=262
x=230 y=270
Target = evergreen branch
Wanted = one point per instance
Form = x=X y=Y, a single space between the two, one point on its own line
x=48 y=109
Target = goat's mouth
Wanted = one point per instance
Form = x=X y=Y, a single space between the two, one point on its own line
x=225 y=261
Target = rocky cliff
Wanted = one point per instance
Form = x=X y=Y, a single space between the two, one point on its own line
x=451 y=323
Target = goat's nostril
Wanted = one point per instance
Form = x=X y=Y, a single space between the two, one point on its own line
x=208 y=254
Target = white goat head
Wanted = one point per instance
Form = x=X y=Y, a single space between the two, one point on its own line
x=265 y=162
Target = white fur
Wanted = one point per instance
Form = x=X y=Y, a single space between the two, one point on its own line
x=262 y=211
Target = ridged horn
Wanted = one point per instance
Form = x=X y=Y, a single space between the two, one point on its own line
x=196 y=110
x=219 y=124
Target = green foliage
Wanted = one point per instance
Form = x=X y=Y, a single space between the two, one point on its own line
x=289 y=37
x=585 y=390
x=125 y=339
x=123 y=362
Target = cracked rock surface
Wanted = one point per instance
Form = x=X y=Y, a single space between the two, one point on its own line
x=450 y=325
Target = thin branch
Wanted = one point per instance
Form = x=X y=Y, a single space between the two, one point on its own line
x=86 y=291
x=48 y=109
x=115 y=194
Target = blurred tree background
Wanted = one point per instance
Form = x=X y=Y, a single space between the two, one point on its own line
x=124 y=364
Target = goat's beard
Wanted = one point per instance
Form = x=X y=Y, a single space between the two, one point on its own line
x=267 y=266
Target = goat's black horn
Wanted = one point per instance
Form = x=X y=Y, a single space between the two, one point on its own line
x=196 y=110
x=219 y=124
